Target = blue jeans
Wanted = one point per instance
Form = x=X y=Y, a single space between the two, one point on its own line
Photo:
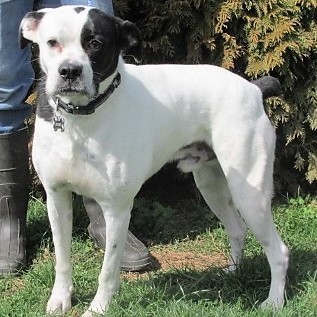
x=16 y=73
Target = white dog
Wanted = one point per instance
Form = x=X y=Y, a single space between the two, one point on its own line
x=103 y=127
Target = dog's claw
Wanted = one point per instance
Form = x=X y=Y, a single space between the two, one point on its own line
x=90 y=313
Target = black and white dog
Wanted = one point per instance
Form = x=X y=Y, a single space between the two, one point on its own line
x=103 y=127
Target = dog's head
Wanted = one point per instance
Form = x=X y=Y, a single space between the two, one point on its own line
x=79 y=47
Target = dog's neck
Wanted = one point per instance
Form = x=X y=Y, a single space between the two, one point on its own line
x=112 y=83
x=47 y=108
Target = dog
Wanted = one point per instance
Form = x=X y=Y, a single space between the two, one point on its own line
x=103 y=127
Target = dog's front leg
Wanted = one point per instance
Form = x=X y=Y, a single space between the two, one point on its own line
x=59 y=207
x=117 y=223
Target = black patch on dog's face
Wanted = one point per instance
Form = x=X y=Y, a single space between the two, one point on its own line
x=79 y=9
x=100 y=40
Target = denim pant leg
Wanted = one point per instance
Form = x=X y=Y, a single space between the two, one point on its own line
x=105 y=5
x=16 y=73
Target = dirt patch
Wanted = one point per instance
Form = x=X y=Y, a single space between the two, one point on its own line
x=14 y=285
x=181 y=260
x=168 y=260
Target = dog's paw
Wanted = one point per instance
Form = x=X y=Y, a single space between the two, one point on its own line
x=272 y=304
x=95 y=309
x=231 y=268
x=59 y=303
x=89 y=313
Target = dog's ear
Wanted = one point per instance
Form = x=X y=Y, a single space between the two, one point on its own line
x=29 y=26
x=131 y=40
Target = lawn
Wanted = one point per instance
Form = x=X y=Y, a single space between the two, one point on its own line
x=187 y=279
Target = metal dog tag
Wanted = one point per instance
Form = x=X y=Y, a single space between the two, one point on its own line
x=58 y=123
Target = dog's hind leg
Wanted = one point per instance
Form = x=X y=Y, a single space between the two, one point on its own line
x=117 y=223
x=59 y=208
x=255 y=208
x=246 y=158
x=213 y=186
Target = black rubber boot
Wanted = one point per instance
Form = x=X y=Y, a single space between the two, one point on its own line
x=136 y=256
x=14 y=183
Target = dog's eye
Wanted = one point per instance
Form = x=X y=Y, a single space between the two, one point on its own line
x=95 y=44
x=52 y=43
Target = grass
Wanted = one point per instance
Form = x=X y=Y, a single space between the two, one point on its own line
x=185 y=228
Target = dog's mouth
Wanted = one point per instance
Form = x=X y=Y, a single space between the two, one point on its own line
x=75 y=95
x=70 y=91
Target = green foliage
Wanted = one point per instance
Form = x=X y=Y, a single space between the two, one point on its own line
x=251 y=38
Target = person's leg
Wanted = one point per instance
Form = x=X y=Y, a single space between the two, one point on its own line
x=14 y=181
x=16 y=73
x=16 y=77
x=104 y=5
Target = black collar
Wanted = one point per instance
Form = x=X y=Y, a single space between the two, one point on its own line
x=92 y=105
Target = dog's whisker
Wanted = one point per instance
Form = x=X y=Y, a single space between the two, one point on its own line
x=35 y=59
x=38 y=79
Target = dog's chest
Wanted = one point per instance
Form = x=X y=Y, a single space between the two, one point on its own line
x=69 y=160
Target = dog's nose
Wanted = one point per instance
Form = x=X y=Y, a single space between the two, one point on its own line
x=70 y=70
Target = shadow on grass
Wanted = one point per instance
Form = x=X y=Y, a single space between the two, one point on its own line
x=249 y=286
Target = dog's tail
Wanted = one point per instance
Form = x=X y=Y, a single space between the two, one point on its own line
x=269 y=85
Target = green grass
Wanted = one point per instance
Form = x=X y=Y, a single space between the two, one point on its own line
x=187 y=225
